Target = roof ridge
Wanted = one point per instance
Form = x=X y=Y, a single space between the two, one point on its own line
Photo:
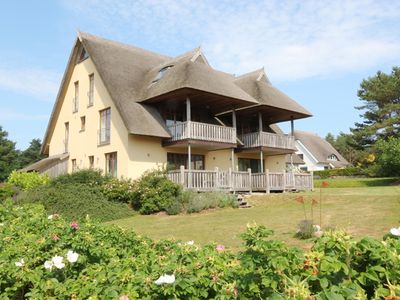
x=86 y=35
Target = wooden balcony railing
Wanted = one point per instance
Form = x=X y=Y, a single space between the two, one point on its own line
x=202 y=132
x=267 y=139
x=236 y=181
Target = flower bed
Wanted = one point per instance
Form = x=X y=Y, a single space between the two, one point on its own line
x=44 y=256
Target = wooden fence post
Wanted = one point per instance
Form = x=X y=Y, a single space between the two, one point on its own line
x=267 y=185
x=312 y=180
x=284 y=180
x=230 y=183
x=216 y=179
x=182 y=174
x=250 y=183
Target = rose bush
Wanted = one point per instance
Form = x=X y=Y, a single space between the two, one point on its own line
x=90 y=260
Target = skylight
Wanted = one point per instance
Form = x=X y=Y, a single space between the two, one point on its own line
x=161 y=73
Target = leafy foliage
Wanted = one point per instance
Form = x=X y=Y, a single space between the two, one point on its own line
x=27 y=181
x=197 y=202
x=388 y=156
x=349 y=171
x=8 y=155
x=153 y=192
x=381 y=108
x=75 y=201
x=7 y=190
x=30 y=154
x=114 y=263
x=118 y=190
x=87 y=176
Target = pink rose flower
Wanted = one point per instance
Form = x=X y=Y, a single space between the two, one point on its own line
x=220 y=248
x=74 y=225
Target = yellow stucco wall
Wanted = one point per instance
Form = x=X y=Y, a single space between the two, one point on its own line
x=83 y=144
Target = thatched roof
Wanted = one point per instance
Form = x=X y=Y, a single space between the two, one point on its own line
x=45 y=163
x=269 y=97
x=129 y=74
x=320 y=148
x=296 y=159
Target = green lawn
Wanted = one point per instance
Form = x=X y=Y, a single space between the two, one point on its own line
x=368 y=211
x=358 y=182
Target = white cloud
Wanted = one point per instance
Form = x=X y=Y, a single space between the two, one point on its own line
x=40 y=83
x=292 y=39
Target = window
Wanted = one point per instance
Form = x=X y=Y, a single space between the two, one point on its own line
x=333 y=157
x=176 y=160
x=305 y=169
x=111 y=164
x=83 y=123
x=161 y=73
x=249 y=163
x=105 y=123
x=91 y=90
x=75 y=102
x=66 y=136
x=91 y=162
x=82 y=54
x=74 y=166
x=301 y=156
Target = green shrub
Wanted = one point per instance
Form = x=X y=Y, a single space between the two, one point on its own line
x=388 y=156
x=154 y=192
x=349 y=171
x=110 y=263
x=305 y=230
x=75 y=201
x=7 y=190
x=196 y=202
x=87 y=176
x=118 y=190
x=27 y=180
x=174 y=208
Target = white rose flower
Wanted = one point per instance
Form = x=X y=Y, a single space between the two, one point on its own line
x=20 y=263
x=190 y=243
x=165 y=279
x=57 y=261
x=395 y=231
x=50 y=217
x=48 y=264
x=72 y=256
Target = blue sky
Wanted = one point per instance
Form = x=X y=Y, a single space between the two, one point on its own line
x=317 y=52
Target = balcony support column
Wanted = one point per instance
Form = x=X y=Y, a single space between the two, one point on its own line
x=291 y=126
x=189 y=165
x=233 y=158
x=260 y=122
x=188 y=119
x=261 y=160
x=292 y=134
x=233 y=149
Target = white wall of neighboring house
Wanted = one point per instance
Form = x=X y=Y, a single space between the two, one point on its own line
x=311 y=163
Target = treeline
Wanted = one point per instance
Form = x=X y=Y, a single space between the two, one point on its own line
x=14 y=159
x=374 y=143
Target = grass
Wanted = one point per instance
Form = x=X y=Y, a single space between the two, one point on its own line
x=357 y=182
x=368 y=211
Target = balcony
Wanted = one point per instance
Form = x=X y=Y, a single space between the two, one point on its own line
x=268 y=140
x=190 y=130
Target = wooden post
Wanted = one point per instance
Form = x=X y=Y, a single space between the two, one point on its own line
x=189 y=165
x=291 y=126
x=182 y=178
x=312 y=180
x=261 y=161
x=284 y=180
x=230 y=183
x=250 y=187
x=216 y=183
x=267 y=187
x=188 y=118
x=260 y=122
x=233 y=158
